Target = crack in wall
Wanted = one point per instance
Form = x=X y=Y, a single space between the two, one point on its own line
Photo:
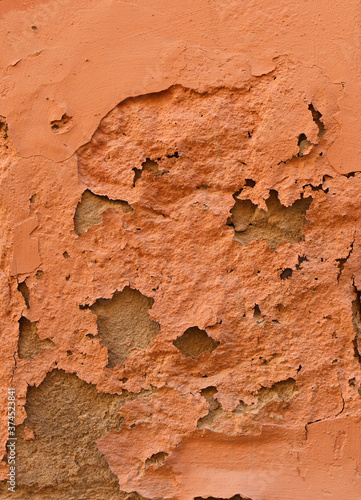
x=316 y=116
x=326 y=418
x=356 y=322
x=342 y=262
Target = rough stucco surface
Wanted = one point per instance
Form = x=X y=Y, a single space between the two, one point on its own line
x=180 y=255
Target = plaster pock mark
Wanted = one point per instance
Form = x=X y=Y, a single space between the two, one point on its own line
x=305 y=146
x=63 y=125
x=156 y=459
x=250 y=183
x=276 y=397
x=301 y=259
x=258 y=317
x=3 y=128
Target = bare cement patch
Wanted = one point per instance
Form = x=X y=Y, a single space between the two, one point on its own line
x=67 y=416
x=30 y=344
x=90 y=208
x=124 y=324
x=278 y=225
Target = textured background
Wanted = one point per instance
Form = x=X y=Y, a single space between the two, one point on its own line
x=180 y=248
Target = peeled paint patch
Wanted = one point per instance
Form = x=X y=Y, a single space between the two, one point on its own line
x=24 y=290
x=66 y=416
x=90 y=208
x=277 y=225
x=195 y=342
x=124 y=324
x=30 y=343
x=149 y=166
x=270 y=404
x=215 y=408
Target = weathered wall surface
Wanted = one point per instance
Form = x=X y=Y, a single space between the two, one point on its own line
x=180 y=256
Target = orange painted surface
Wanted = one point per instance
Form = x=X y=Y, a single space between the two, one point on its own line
x=207 y=155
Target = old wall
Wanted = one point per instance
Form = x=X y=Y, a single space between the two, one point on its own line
x=180 y=249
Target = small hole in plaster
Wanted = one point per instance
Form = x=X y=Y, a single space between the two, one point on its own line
x=195 y=342
x=286 y=273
